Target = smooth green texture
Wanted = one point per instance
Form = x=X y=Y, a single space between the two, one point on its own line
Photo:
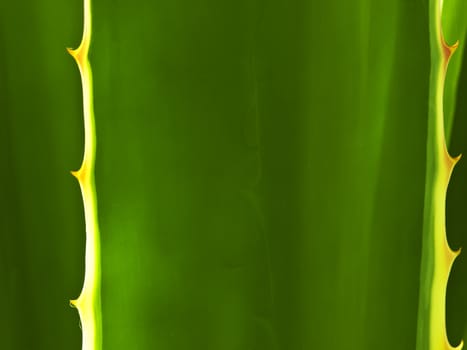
x=260 y=174
x=41 y=220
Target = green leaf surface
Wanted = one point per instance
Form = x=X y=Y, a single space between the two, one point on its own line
x=260 y=172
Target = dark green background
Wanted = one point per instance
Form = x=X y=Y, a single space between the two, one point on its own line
x=260 y=174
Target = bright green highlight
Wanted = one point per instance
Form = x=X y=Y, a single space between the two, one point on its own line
x=89 y=302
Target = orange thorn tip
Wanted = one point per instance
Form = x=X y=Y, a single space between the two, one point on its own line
x=71 y=51
x=449 y=49
x=73 y=303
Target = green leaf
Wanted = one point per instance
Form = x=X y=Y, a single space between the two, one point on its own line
x=260 y=173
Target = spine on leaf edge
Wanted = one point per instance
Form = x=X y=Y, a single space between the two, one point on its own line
x=89 y=301
x=437 y=256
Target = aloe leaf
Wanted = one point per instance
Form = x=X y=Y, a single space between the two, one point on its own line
x=437 y=257
x=89 y=301
x=260 y=172
x=454 y=24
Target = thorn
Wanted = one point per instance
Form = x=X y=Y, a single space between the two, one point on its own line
x=78 y=54
x=76 y=174
x=73 y=303
x=452 y=256
x=71 y=52
x=449 y=49
x=454 y=46
x=454 y=160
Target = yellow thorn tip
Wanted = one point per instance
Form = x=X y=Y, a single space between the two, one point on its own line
x=456 y=159
x=71 y=51
x=454 y=46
